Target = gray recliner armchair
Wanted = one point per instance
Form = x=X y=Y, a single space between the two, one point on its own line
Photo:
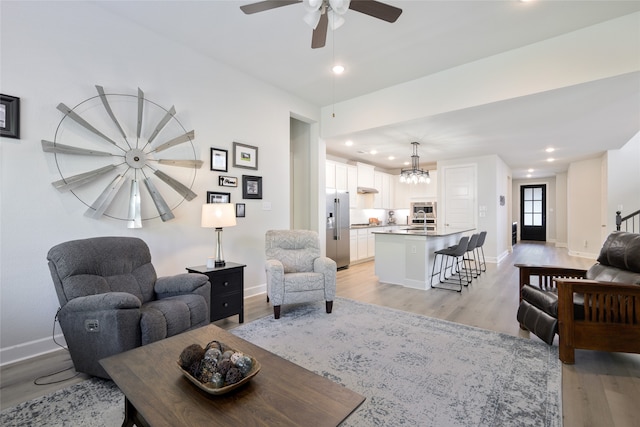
x=111 y=299
x=295 y=270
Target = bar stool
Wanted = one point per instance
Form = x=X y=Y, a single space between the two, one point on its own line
x=479 y=248
x=456 y=254
x=469 y=253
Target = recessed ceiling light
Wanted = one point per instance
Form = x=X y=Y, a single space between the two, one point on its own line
x=550 y=159
x=348 y=143
x=373 y=152
x=550 y=150
x=391 y=158
x=338 y=69
x=406 y=163
x=530 y=170
x=528 y=175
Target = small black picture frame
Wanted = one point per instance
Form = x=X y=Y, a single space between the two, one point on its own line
x=240 y=210
x=9 y=116
x=216 y=197
x=251 y=187
x=219 y=160
x=227 y=181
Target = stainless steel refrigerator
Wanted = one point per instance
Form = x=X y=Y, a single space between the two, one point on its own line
x=338 y=227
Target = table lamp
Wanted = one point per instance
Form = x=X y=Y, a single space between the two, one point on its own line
x=218 y=215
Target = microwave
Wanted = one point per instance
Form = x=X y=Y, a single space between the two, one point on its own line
x=423 y=210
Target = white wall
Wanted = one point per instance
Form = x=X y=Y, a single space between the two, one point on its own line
x=623 y=183
x=54 y=52
x=584 y=199
x=561 y=211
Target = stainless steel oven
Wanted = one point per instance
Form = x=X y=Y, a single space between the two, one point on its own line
x=424 y=213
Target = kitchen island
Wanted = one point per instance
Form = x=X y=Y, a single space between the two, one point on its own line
x=405 y=256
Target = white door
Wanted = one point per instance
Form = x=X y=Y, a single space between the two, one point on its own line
x=459 y=197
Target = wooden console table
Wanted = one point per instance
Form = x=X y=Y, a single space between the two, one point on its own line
x=282 y=393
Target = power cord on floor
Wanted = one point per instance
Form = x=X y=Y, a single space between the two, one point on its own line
x=53 y=335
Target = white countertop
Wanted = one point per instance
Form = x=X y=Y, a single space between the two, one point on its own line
x=421 y=232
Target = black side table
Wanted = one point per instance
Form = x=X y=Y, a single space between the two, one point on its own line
x=227 y=289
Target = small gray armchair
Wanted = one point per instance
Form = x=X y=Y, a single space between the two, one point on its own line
x=295 y=270
x=112 y=301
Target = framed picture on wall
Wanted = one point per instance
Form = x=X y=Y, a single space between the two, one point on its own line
x=240 y=210
x=245 y=156
x=9 y=116
x=219 y=159
x=251 y=187
x=215 y=197
x=227 y=181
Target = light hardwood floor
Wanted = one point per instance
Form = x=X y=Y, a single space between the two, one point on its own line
x=601 y=389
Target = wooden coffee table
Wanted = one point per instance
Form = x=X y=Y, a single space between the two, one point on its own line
x=282 y=393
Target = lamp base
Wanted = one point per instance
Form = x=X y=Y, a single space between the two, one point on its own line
x=219 y=264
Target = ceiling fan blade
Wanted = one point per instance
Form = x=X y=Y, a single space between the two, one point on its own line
x=319 y=37
x=376 y=9
x=261 y=6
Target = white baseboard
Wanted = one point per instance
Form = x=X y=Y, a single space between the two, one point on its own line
x=562 y=245
x=29 y=350
x=255 y=290
x=584 y=254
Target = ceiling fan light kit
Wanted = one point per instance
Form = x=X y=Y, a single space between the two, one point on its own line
x=415 y=175
x=324 y=13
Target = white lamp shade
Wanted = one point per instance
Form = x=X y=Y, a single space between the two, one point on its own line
x=218 y=215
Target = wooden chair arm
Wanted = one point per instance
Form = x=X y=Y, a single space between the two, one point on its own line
x=611 y=317
x=604 y=302
x=544 y=276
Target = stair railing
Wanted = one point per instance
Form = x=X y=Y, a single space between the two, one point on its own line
x=629 y=222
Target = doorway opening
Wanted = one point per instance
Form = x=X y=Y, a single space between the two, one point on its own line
x=533 y=212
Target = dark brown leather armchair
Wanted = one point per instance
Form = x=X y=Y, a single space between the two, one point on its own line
x=595 y=309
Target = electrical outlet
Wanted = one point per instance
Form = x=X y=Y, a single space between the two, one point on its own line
x=586 y=243
x=414 y=250
x=92 y=325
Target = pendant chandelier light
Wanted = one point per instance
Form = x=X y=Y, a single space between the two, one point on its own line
x=415 y=175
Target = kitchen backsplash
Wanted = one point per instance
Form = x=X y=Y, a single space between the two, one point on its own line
x=361 y=216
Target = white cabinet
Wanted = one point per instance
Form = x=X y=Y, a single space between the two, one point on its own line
x=341 y=177
x=421 y=192
x=353 y=245
x=336 y=175
x=352 y=185
x=365 y=175
x=384 y=198
x=371 y=242
x=330 y=174
x=363 y=243
x=407 y=193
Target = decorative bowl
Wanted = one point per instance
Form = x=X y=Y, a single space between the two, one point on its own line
x=255 y=368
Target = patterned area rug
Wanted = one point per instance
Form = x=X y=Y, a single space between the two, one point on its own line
x=91 y=403
x=413 y=370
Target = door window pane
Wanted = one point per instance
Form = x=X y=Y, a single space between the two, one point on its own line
x=528 y=219
x=537 y=206
x=537 y=193
x=537 y=219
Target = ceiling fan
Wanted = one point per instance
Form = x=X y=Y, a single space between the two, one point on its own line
x=321 y=13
